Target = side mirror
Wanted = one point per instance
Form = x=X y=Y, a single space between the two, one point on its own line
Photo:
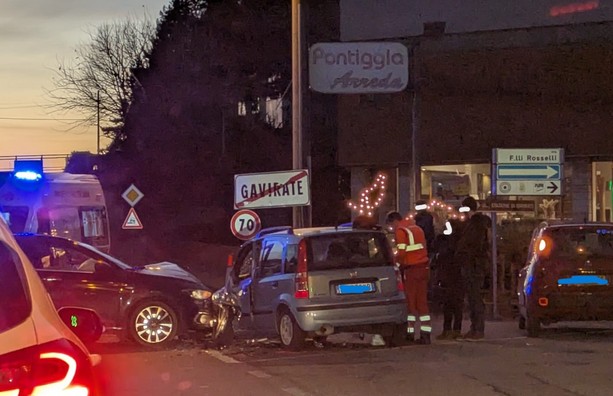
x=85 y=323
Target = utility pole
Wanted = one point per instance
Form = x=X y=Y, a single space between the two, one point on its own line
x=297 y=40
x=98 y=122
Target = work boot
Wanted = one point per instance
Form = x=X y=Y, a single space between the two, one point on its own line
x=445 y=335
x=410 y=338
x=455 y=334
x=473 y=335
x=424 y=339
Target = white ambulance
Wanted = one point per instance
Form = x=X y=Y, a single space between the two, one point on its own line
x=59 y=204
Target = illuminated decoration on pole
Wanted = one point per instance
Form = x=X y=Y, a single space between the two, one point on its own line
x=366 y=207
x=441 y=209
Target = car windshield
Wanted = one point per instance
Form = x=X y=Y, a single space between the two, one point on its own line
x=15 y=306
x=107 y=257
x=15 y=217
x=349 y=250
x=582 y=242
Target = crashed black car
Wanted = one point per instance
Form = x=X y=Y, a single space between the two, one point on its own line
x=152 y=304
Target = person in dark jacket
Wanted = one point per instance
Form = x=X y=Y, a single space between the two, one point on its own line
x=425 y=221
x=472 y=253
x=449 y=279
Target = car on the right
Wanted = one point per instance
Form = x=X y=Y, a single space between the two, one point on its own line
x=568 y=275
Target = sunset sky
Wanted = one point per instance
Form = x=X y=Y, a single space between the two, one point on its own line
x=35 y=35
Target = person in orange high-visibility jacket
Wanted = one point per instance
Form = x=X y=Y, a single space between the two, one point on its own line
x=412 y=256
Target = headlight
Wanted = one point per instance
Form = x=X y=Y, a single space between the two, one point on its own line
x=200 y=294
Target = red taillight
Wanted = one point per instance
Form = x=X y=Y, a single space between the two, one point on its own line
x=543 y=301
x=301 y=280
x=399 y=282
x=56 y=369
x=230 y=261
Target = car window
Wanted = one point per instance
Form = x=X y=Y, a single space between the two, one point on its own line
x=349 y=250
x=270 y=259
x=244 y=262
x=64 y=258
x=16 y=306
x=15 y=217
x=37 y=250
x=291 y=258
x=582 y=242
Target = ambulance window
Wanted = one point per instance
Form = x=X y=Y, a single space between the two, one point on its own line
x=15 y=217
x=65 y=222
x=94 y=222
x=15 y=306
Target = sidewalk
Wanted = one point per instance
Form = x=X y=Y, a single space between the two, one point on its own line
x=499 y=329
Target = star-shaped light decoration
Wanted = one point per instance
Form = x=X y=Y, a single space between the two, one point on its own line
x=368 y=203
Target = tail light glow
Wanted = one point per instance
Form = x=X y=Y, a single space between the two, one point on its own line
x=301 y=280
x=543 y=301
x=41 y=371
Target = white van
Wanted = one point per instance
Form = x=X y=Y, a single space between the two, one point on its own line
x=58 y=204
x=39 y=354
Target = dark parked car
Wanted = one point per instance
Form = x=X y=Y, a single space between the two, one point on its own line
x=151 y=304
x=568 y=276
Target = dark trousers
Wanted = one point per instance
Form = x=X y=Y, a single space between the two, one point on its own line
x=473 y=281
x=453 y=305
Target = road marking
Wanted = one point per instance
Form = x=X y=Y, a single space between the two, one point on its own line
x=296 y=392
x=220 y=356
x=259 y=374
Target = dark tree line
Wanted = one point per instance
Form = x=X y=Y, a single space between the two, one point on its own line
x=197 y=118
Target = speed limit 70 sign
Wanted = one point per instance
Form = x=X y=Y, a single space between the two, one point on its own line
x=245 y=224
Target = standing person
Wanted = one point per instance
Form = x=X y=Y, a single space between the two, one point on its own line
x=425 y=220
x=412 y=256
x=449 y=279
x=472 y=254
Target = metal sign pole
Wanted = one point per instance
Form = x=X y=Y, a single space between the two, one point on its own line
x=297 y=211
x=494 y=245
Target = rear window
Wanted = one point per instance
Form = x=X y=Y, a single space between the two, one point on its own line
x=15 y=217
x=15 y=306
x=581 y=242
x=349 y=250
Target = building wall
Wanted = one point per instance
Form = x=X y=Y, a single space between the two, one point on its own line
x=384 y=19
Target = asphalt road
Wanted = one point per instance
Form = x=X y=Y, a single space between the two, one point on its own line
x=568 y=359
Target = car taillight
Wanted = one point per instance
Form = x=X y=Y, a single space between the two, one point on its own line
x=55 y=369
x=301 y=281
x=399 y=282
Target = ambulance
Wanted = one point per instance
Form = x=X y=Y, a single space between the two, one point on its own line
x=58 y=204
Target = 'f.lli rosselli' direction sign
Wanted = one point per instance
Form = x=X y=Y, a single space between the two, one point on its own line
x=272 y=189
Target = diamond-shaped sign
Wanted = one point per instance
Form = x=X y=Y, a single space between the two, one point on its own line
x=132 y=195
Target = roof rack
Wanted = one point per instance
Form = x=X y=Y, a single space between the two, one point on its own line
x=270 y=230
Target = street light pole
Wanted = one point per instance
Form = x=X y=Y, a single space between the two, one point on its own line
x=98 y=122
x=298 y=218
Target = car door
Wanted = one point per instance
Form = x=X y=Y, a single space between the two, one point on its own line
x=240 y=281
x=87 y=280
x=266 y=285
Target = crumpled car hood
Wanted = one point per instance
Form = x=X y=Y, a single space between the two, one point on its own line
x=169 y=270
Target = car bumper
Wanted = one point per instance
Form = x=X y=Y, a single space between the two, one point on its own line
x=312 y=318
x=577 y=306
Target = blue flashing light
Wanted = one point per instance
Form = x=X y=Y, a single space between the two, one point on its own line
x=28 y=175
x=583 y=280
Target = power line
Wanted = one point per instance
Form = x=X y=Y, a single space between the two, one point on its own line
x=13 y=107
x=41 y=119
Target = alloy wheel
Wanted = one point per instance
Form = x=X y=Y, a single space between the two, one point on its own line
x=153 y=324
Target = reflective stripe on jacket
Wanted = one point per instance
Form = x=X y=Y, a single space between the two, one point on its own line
x=411 y=244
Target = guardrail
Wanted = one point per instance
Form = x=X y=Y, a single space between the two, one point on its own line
x=51 y=162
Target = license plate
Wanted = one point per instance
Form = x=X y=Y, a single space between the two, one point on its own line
x=355 y=288
x=584 y=280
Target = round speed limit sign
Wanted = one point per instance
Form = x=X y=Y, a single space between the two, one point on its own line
x=245 y=224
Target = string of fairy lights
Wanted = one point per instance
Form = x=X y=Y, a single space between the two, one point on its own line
x=372 y=196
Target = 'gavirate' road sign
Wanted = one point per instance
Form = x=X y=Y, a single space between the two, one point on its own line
x=272 y=190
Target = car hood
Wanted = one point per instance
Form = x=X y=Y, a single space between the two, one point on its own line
x=168 y=270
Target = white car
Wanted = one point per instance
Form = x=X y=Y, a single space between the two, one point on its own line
x=39 y=354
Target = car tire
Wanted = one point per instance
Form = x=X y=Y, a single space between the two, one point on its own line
x=522 y=323
x=396 y=335
x=533 y=326
x=291 y=335
x=225 y=336
x=153 y=324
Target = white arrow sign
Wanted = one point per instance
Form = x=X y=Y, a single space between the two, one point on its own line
x=546 y=172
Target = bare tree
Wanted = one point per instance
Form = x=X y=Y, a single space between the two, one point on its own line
x=98 y=82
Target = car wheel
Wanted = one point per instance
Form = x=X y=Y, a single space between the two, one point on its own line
x=292 y=336
x=533 y=326
x=396 y=335
x=153 y=324
x=522 y=323
x=224 y=330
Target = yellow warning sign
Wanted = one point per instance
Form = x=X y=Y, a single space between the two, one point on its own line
x=132 y=222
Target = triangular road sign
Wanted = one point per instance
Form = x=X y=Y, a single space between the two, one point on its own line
x=132 y=222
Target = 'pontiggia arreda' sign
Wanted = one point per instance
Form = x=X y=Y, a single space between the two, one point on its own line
x=366 y=67
x=272 y=190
